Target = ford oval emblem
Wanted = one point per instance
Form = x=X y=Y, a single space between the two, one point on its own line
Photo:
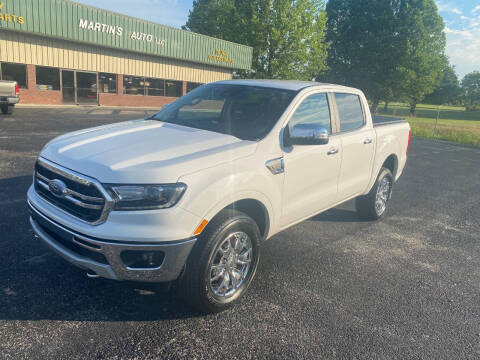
x=57 y=188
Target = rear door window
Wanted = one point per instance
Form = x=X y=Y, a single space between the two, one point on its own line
x=350 y=111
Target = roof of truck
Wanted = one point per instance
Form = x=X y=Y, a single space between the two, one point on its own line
x=295 y=85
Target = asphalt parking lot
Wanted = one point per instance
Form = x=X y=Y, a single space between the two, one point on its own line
x=332 y=287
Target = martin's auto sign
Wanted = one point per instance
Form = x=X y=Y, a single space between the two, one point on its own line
x=118 y=31
x=71 y=21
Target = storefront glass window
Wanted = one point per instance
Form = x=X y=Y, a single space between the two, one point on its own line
x=15 y=72
x=107 y=83
x=191 y=86
x=133 y=85
x=155 y=87
x=173 y=88
x=48 y=78
x=151 y=86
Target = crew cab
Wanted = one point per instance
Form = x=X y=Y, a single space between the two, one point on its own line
x=190 y=193
x=8 y=96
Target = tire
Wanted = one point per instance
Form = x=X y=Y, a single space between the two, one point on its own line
x=7 y=110
x=366 y=205
x=197 y=284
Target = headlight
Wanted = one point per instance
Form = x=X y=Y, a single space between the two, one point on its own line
x=145 y=197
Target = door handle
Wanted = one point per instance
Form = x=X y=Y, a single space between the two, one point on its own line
x=368 y=141
x=332 y=152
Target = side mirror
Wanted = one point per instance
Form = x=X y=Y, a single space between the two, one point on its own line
x=308 y=134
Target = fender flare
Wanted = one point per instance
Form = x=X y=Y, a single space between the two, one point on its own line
x=245 y=195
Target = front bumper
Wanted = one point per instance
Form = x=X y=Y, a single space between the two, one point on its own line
x=103 y=257
x=10 y=100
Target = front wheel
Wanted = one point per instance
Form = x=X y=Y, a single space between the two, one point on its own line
x=373 y=205
x=222 y=263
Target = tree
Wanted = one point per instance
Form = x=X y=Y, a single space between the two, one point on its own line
x=287 y=36
x=471 y=88
x=364 y=46
x=388 y=48
x=423 y=50
x=449 y=90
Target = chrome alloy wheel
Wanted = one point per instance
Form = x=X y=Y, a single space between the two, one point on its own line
x=229 y=266
x=383 y=194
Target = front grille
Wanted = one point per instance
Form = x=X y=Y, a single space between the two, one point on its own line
x=82 y=198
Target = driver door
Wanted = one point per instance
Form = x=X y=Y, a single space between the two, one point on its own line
x=311 y=171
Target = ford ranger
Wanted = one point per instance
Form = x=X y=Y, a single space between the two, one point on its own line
x=8 y=96
x=190 y=193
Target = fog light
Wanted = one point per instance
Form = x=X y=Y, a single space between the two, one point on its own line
x=136 y=259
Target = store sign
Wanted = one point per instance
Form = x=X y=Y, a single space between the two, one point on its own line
x=221 y=56
x=14 y=18
x=118 y=31
x=147 y=37
x=100 y=27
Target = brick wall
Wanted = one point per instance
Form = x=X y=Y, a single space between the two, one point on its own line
x=121 y=99
x=51 y=97
x=134 y=100
x=184 y=87
x=33 y=96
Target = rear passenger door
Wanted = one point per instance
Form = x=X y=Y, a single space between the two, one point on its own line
x=357 y=139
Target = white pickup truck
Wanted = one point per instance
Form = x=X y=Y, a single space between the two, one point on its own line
x=190 y=193
x=8 y=96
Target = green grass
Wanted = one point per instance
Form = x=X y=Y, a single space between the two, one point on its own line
x=430 y=111
x=454 y=124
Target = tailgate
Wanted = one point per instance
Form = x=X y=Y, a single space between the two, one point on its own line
x=7 y=88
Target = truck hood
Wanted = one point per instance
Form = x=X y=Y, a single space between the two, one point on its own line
x=143 y=151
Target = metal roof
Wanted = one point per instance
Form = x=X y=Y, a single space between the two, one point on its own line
x=67 y=20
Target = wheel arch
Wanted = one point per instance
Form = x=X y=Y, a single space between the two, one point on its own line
x=391 y=163
x=258 y=209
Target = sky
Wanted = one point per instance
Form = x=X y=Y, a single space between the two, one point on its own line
x=462 y=23
x=462 y=28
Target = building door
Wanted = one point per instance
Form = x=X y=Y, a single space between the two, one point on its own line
x=68 y=87
x=86 y=88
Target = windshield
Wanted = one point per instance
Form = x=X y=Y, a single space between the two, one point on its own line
x=246 y=112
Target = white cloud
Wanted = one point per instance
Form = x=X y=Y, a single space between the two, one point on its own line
x=471 y=22
x=463 y=49
x=448 y=7
x=474 y=22
x=475 y=9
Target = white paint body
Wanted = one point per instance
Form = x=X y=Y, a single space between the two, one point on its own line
x=8 y=96
x=220 y=169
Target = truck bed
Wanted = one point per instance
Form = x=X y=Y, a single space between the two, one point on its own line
x=379 y=120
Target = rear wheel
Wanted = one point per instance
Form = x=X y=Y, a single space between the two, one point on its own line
x=7 y=110
x=222 y=263
x=373 y=205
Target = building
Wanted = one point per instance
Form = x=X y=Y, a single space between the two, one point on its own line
x=62 y=52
